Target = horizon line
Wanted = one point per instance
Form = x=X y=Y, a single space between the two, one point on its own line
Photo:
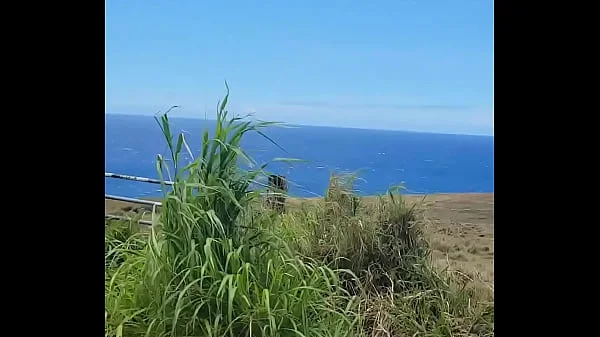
x=320 y=126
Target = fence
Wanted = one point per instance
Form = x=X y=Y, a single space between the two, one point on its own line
x=154 y=204
x=274 y=199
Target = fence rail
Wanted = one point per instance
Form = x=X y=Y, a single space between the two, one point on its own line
x=276 y=198
x=134 y=178
x=132 y=200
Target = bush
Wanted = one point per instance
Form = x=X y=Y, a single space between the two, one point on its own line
x=206 y=274
x=340 y=196
x=386 y=248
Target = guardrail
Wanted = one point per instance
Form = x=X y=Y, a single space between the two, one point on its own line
x=134 y=178
x=276 y=199
x=154 y=204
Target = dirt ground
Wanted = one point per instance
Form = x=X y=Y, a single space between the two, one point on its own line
x=460 y=228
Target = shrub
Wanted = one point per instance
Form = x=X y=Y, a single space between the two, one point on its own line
x=386 y=248
x=211 y=270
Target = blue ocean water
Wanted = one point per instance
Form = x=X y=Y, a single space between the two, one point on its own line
x=422 y=162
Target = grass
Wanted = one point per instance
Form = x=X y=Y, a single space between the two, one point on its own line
x=217 y=263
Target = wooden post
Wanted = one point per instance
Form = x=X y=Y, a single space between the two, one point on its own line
x=276 y=193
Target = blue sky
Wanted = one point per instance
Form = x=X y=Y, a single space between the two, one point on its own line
x=420 y=65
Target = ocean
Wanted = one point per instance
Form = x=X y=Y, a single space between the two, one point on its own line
x=422 y=162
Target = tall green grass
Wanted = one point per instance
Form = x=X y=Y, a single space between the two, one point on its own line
x=216 y=263
x=208 y=269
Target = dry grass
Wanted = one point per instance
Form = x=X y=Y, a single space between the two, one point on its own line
x=459 y=227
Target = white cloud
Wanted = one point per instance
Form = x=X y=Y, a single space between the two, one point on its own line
x=445 y=118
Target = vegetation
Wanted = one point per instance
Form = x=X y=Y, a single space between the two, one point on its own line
x=217 y=263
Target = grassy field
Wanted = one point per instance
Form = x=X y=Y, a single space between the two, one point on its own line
x=217 y=262
x=459 y=227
